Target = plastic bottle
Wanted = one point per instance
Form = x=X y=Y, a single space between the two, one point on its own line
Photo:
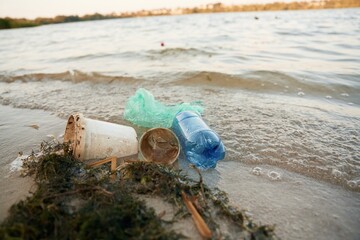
x=201 y=145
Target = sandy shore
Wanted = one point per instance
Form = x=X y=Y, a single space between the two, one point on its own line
x=299 y=206
x=16 y=136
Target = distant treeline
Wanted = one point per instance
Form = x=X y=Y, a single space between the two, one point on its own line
x=6 y=23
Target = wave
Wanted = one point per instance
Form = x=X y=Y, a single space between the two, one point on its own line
x=294 y=33
x=318 y=50
x=72 y=76
x=177 y=52
x=269 y=81
x=152 y=54
x=254 y=81
x=86 y=56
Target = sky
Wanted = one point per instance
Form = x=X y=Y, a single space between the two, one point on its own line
x=50 y=8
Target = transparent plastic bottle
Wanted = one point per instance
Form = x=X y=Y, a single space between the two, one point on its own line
x=201 y=145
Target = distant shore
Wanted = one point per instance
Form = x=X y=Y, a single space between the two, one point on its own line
x=8 y=23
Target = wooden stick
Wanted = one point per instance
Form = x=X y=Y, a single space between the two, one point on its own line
x=113 y=168
x=101 y=162
x=201 y=225
x=113 y=165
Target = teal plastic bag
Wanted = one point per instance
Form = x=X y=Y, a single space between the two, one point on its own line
x=142 y=109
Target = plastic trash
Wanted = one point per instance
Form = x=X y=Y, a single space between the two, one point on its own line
x=92 y=139
x=201 y=145
x=159 y=145
x=142 y=109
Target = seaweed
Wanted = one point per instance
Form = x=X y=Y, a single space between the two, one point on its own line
x=73 y=201
x=169 y=183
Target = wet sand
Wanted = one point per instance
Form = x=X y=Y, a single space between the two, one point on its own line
x=300 y=207
x=17 y=136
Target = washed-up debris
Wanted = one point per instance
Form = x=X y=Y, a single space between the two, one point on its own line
x=159 y=145
x=200 y=144
x=16 y=165
x=112 y=160
x=73 y=201
x=211 y=204
x=201 y=225
x=143 y=110
x=92 y=139
x=51 y=136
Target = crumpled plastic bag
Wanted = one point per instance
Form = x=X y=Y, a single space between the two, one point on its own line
x=143 y=110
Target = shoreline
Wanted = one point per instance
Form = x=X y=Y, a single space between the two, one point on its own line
x=309 y=208
x=12 y=23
